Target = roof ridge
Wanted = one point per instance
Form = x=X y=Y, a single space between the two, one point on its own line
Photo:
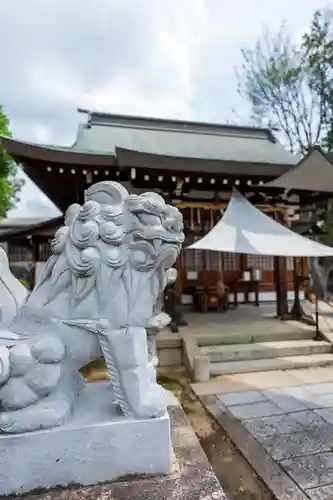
x=99 y=118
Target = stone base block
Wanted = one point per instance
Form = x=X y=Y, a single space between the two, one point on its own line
x=96 y=445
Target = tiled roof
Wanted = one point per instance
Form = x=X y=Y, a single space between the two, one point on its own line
x=105 y=132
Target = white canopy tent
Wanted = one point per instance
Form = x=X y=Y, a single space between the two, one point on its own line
x=245 y=229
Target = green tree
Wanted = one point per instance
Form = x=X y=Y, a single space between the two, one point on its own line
x=289 y=84
x=317 y=45
x=10 y=185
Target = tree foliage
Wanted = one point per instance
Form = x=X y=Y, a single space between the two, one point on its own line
x=10 y=185
x=289 y=83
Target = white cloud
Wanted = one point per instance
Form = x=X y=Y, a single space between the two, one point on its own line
x=166 y=58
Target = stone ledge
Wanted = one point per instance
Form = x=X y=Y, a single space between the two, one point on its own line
x=97 y=444
x=174 y=342
x=170 y=357
x=192 y=479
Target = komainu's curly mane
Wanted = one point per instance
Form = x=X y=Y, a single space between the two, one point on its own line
x=111 y=231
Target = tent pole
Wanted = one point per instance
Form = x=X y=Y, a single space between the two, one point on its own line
x=297 y=312
x=277 y=287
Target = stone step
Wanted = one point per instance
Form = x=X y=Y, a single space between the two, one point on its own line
x=279 y=363
x=298 y=333
x=262 y=350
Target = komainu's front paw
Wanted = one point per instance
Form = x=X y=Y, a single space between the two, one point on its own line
x=35 y=371
x=155 y=403
x=48 y=412
x=40 y=388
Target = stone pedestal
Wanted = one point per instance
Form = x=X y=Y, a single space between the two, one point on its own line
x=96 y=445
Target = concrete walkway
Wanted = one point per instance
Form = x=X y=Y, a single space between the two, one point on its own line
x=288 y=418
x=282 y=421
x=245 y=319
x=248 y=339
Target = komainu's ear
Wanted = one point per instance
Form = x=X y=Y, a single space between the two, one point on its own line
x=106 y=193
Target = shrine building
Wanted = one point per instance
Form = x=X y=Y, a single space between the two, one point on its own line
x=193 y=165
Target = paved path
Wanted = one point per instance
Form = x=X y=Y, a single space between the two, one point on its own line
x=244 y=319
x=282 y=421
x=290 y=415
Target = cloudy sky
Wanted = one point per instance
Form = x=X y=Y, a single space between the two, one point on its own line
x=164 y=58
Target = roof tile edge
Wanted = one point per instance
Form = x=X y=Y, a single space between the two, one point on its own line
x=96 y=118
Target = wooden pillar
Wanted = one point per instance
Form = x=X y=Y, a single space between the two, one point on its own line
x=78 y=191
x=176 y=290
x=35 y=248
x=280 y=278
x=35 y=257
x=179 y=264
x=242 y=262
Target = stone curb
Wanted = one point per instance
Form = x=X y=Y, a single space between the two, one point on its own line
x=192 y=479
x=278 y=482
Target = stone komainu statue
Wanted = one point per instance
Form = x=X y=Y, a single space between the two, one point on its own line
x=96 y=297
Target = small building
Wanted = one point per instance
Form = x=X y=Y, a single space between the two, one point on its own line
x=193 y=165
x=27 y=244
